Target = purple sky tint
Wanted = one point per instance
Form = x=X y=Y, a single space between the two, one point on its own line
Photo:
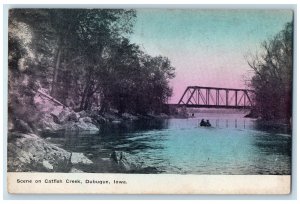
x=207 y=47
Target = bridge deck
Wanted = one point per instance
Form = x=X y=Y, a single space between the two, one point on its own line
x=210 y=106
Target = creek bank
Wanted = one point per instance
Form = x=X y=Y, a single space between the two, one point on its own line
x=30 y=153
x=279 y=124
x=131 y=164
x=118 y=162
x=276 y=125
x=54 y=116
x=51 y=115
x=253 y=114
x=283 y=125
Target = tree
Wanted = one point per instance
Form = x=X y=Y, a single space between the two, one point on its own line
x=272 y=80
x=141 y=82
x=26 y=67
x=86 y=32
x=83 y=58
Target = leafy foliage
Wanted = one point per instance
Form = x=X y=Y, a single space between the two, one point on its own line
x=83 y=58
x=272 y=80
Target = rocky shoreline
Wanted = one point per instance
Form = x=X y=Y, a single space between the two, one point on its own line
x=28 y=152
x=31 y=153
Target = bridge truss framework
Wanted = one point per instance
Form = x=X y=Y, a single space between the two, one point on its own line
x=212 y=97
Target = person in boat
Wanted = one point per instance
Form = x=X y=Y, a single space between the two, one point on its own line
x=202 y=123
x=208 y=123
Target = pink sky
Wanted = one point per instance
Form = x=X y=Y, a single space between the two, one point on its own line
x=215 y=70
x=207 y=47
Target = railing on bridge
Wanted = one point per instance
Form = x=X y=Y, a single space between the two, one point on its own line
x=212 y=97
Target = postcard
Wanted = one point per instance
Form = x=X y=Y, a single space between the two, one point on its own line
x=150 y=101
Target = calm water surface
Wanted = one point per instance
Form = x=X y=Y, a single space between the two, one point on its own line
x=234 y=145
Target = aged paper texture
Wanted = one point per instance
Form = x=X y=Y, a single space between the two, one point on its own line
x=150 y=101
x=146 y=184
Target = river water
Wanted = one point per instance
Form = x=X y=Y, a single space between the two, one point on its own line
x=234 y=145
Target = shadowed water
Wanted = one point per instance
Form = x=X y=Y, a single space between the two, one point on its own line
x=234 y=145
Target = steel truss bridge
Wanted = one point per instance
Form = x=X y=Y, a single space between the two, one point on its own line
x=212 y=97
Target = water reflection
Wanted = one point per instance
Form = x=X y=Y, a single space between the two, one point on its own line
x=274 y=127
x=134 y=126
x=229 y=123
x=232 y=146
x=128 y=137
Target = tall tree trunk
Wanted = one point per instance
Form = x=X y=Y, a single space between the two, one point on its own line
x=88 y=99
x=55 y=72
x=104 y=104
x=87 y=103
x=82 y=100
x=84 y=96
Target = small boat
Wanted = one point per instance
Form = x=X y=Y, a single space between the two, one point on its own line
x=204 y=124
